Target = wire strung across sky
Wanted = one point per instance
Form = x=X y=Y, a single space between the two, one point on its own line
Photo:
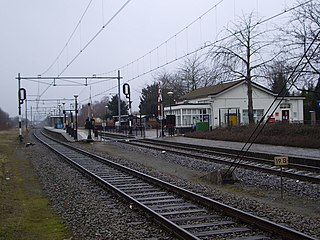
x=206 y=45
x=166 y=41
x=88 y=43
x=177 y=58
x=293 y=78
x=68 y=41
x=201 y=48
x=95 y=36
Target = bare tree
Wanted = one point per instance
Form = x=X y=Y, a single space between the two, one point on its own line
x=195 y=73
x=298 y=34
x=171 y=82
x=242 y=53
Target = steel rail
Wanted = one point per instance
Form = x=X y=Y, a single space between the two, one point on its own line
x=261 y=223
x=170 y=226
x=312 y=164
x=243 y=164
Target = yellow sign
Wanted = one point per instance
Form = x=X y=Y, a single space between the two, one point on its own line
x=281 y=160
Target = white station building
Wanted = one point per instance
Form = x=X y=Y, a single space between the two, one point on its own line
x=226 y=104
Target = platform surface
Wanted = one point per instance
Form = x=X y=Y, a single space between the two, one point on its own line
x=262 y=148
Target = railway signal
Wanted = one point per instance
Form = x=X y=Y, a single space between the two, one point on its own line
x=126 y=92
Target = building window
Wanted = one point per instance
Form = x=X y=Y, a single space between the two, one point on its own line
x=228 y=116
x=195 y=111
x=204 y=101
x=257 y=115
x=285 y=105
x=203 y=111
x=186 y=120
x=192 y=116
x=178 y=122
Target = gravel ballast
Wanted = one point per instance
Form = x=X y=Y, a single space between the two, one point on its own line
x=89 y=211
x=92 y=213
x=257 y=193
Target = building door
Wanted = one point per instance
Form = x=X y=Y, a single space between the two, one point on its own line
x=285 y=116
x=233 y=120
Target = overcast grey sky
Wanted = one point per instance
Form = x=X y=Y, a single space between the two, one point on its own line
x=34 y=32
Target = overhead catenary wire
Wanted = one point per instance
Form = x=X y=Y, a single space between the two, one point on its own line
x=252 y=138
x=202 y=47
x=189 y=53
x=196 y=50
x=88 y=43
x=69 y=39
x=94 y=37
x=156 y=49
x=169 y=39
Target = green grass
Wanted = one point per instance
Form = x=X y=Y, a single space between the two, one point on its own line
x=24 y=210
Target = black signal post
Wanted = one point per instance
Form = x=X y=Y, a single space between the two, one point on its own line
x=22 y=96
x=76 y=117
x=126 y=92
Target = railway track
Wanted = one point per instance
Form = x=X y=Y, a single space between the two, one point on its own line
x=308 y=173
x=186 y=214
x=107 y=136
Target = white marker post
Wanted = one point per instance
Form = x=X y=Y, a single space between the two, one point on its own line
x=281 y=161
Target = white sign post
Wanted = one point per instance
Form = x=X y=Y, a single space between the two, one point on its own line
x=281 y=161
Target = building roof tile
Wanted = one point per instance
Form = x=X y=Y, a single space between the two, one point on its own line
x=211 y=90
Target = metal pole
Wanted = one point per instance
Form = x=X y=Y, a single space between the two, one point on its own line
x=64 y=115
x=19 y=109
x=281 y=183
x=76 y=117
x=106 y=119
x=31 y=115
x=89 y=118
x=170 y=127
x=26 y=109
x=130 y=116
x=162 y=115
x=140 y=126
x=119 y=106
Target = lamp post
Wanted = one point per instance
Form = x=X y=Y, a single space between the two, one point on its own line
x=59 y=109
x=76 y=116
x=71 y=116
x=59 y=116
x=64 y=115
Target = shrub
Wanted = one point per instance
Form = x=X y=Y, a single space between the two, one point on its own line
x=295 y=135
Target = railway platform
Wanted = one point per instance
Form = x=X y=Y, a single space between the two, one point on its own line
x=82 y=134
x=261 y=148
